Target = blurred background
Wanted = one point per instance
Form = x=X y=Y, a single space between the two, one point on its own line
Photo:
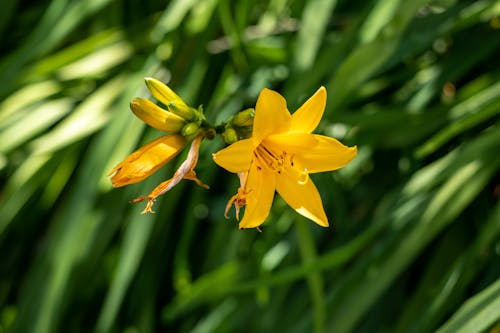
x=414 y=244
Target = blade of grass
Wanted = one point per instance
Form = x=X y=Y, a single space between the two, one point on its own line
x=467 y=180
x=477 y=314
x=315 y=19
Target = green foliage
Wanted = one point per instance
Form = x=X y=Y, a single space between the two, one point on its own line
x=415 y=240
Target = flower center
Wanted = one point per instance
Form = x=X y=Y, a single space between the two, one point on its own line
x=274 y=160
x=280 y=162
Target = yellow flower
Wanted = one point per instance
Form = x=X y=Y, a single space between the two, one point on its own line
x=279 y=156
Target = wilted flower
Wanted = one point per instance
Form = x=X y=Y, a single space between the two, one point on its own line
x=146 y=160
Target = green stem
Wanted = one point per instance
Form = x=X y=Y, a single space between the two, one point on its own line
x=314 y=279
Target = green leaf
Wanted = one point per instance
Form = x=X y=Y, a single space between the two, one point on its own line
x=476 y=314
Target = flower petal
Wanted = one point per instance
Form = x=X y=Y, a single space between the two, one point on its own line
x=301 y=195
x=236 y=157
x=328 y=154
x=271 y=115
x=292 y=142
x=308 y=116
x=260 y=186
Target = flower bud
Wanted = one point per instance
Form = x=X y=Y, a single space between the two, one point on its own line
x=185 y=112
x=155 y=116
x=230 y=136
x=169 y=98
x=244 y=118
x=190 y=130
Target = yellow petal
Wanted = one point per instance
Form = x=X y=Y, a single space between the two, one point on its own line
x=155 y=116
x=260 y=186
x=271 y=115
x=292 y=142
x=328 y=154
x=301 y=195
x=312 y=152
x=146 y=160
x=308 y=116
x=236 y=157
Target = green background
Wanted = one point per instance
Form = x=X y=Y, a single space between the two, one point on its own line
x=414 y=244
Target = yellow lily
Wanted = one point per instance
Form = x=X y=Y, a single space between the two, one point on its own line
x=279 y=156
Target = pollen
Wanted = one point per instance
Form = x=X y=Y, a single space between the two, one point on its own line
x=274 y=161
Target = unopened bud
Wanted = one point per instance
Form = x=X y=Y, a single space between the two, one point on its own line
x=169 y=98
x=229 y=135
x=244 y=118
x=183 y=111
x=155 y=116
x=190 y=130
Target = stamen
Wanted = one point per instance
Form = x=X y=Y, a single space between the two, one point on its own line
x=274 y=160
x=239 y=199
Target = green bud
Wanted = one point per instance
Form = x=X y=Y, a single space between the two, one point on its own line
x=190 y=130
x=183 y=111
x=243 y=118
x=229 y=135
